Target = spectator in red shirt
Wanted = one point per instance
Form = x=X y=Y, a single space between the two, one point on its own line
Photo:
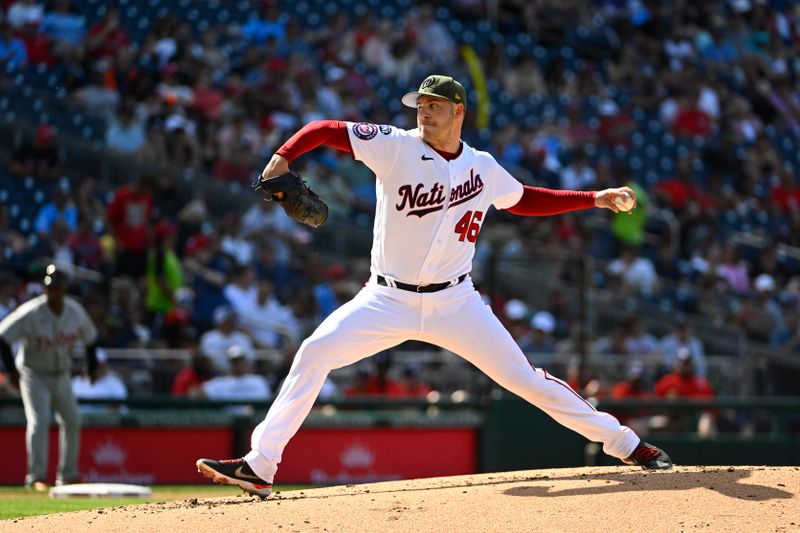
x=38 y=159
x=206 y=99
x=681 y=191
x=128 y=217
x=411 y=385
x=381 y=384
x=786 y=196
x=377 y=383
x=684 y=383
x=25 y=17
x=633 y=388
x=690 y=120
x=359 y=385
x=616 y=125
x=85 y=245
x=107 y=37
x=191 y=377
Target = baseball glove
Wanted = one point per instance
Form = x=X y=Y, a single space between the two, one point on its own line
x=299 y=202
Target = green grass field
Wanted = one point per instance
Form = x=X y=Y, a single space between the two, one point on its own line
x=17 y=502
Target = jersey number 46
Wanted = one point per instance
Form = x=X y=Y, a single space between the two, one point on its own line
x=469 y=226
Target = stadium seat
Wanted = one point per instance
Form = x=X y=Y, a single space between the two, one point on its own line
x=655 y=126
x=504 y=97
x=455 y=26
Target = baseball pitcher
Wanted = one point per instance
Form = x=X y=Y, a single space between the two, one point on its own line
x=47 y=328
x=433 y=193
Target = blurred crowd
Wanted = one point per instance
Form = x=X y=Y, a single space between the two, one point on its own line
x=693 y=104
x=715 y=84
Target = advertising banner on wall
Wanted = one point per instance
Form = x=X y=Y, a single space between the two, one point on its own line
x=336 y=456
x=141 y=456
x=150 y=456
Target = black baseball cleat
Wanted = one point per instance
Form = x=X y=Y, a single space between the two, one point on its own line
x=649 y=457
x=234 y=472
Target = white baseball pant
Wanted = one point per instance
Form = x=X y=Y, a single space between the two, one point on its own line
x=39 y=393
x=454 y=318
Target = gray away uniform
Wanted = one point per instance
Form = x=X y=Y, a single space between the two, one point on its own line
x=44 y=363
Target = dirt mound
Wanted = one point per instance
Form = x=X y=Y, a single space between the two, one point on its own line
x=743 y=498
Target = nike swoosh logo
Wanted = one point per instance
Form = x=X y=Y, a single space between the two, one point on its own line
x=238 y=473
x=427 y=158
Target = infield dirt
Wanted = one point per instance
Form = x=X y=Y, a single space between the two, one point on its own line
x=607 y=499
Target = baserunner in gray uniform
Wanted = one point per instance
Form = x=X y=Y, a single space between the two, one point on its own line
x=47 y=328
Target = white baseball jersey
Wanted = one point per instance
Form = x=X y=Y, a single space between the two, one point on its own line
x=429 y=210
x=48 y=340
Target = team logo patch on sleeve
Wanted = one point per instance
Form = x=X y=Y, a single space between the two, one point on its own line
x=385 y=129
x=365 y=130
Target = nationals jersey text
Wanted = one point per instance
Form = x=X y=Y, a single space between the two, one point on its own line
x=429 y=210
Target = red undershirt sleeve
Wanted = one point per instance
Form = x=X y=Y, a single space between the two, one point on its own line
x=538 y=201
x=331 y=133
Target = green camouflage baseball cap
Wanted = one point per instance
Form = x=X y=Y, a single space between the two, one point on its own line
x=440 y=86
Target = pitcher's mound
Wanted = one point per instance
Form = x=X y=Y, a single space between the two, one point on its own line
x=741 y=498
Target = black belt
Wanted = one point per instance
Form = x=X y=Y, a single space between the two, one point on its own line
x=432 y=287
